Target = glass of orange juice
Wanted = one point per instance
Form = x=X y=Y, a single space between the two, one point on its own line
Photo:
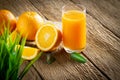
x=74 y=27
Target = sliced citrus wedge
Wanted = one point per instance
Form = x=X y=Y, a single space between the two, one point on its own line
x=29 y=53
x=48 y=37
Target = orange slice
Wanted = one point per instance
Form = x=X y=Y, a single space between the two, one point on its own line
x=29 y=53
x=48 y=37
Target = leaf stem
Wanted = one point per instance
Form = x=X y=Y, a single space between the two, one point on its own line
x=28 y=66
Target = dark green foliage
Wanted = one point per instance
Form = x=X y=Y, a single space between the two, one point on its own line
x=10 y=55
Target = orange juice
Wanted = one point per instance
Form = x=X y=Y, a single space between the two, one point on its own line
x=74 y=29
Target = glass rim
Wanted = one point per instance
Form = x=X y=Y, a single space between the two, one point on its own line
x=76 y=5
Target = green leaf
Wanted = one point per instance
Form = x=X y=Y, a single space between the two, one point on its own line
x=77 y=57
x=10 y=56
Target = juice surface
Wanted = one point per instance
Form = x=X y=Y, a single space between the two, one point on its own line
x=74 y=29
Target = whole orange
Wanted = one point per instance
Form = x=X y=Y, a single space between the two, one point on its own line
x=28 y=23
x=7 y=18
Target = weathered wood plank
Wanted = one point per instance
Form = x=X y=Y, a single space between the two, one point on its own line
x=105 y=12
x=103 y=53
x=103 y=49
x=103 y=46
x=50 y=14
x=95 y=74
x=66 y=69
x=31 y=74
x=115 y=3
x=17 y=7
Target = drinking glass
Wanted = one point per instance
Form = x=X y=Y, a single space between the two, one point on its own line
x=74 y=27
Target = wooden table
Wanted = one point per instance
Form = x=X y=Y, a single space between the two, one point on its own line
x=103 y=40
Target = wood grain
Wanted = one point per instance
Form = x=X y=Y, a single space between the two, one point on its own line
x=105 y=12
x=66 y=69
x=50 y=12
x=32 y=74
x=103 y=46
x=103 y=49
x=115 y=3
x=17 y=7
x=102 y=52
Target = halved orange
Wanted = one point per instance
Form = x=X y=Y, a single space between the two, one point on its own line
x=48 y=37
x=29 y=53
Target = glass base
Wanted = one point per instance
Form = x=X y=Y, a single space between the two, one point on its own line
x=70 y=51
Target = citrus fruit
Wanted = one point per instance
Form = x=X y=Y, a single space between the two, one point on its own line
x=28 y=23
x=48 y=37
x=7 y=18
x=14 y=35
x=29 y=53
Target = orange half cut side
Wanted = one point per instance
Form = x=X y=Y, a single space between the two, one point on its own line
x=47 y=37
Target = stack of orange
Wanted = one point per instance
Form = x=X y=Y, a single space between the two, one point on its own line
x=31 y=25
x=27 y=25
x=48 y=38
